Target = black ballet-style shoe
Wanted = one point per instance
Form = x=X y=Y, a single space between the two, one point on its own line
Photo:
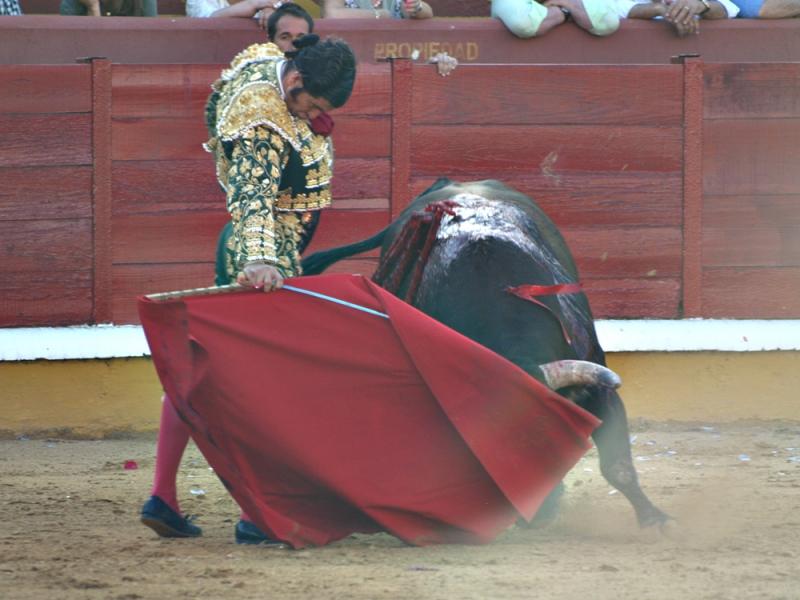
x=249 y=533
x=159 y=517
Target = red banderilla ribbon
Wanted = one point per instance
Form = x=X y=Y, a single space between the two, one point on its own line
x=531 y=292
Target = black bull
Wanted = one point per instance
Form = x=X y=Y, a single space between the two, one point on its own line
x=499 y=238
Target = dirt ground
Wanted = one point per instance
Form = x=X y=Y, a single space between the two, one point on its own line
x=69 y=529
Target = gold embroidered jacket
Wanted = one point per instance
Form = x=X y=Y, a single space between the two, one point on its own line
x=268 y=162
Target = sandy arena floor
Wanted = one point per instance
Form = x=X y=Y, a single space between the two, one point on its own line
x=70 y=530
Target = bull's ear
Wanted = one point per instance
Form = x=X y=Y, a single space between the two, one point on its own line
x=437 y=185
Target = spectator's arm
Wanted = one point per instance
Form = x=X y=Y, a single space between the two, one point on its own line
x=528 y=19
x=150 y=8
x=244 y=8
x=649 y=10
x=92 y=7
x=581 y=17
x=681 y=12
x=555 y=17
x=335 y=9
x=717 y=11
x=412 y=9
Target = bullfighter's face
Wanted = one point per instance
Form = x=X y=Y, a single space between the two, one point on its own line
x=300 y=103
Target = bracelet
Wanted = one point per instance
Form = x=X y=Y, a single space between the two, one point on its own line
x=707 y=8
x=567 y=14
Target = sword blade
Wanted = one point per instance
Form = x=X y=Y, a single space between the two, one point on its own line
x=298 y=290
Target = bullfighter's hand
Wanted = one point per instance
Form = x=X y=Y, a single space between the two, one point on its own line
x=260 y=276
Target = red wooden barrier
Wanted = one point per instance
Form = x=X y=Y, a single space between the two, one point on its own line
x=751 y=187
x=43 y=39
x=45 y=195
x=676 y=185
x=592 y=144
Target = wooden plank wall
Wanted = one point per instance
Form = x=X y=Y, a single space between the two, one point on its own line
x=167 y=207
x=602 y=148
x=45 y=195
x=751 y=208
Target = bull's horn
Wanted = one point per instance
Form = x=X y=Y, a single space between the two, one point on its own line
x=562 y=373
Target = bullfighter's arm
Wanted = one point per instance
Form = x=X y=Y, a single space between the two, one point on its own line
x=253 y=178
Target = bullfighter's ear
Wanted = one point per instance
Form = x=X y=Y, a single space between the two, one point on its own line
x=292 y=80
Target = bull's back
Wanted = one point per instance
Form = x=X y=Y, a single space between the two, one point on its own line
x=489 y=246
x=493 y=190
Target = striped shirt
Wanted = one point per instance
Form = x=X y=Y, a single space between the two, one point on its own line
x=9 y=7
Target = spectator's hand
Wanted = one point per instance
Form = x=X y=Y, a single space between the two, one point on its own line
x=681 y=13
x=92 y=7
x=560 y=4
x=260 y=275
x=445 y=63
x=263 y=9
x=411 y=8
x=577 y=12
x=692 y=28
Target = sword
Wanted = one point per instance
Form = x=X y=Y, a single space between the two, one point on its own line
x=235 y=287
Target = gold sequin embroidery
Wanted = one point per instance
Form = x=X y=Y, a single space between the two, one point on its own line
x=312 y=201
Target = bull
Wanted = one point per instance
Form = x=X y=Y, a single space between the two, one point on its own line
x=491 y=241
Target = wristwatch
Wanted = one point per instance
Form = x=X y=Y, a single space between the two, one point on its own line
x=707 y=6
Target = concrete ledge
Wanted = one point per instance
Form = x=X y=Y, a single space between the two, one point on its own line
x=101 y=398
x=687 y=335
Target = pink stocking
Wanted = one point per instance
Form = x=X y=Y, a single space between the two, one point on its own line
x=173 y=435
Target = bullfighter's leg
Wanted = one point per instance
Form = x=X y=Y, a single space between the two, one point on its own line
x=173 y=436
x=613 y=446
x=161 y=512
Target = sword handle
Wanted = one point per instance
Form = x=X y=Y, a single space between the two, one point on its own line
x=204 y=291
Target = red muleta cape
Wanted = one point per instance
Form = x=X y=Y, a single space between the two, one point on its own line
x=323 y=420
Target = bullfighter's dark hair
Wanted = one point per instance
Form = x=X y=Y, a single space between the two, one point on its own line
x=291 y=9
x=328 y=68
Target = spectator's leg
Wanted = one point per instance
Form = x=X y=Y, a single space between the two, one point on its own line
x=779 y=9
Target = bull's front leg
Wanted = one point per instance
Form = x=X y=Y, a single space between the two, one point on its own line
x=614 y=449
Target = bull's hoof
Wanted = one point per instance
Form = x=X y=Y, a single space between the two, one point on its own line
x=656 y=518
x=650 y=516
x=669 y=528
x=547 y=512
